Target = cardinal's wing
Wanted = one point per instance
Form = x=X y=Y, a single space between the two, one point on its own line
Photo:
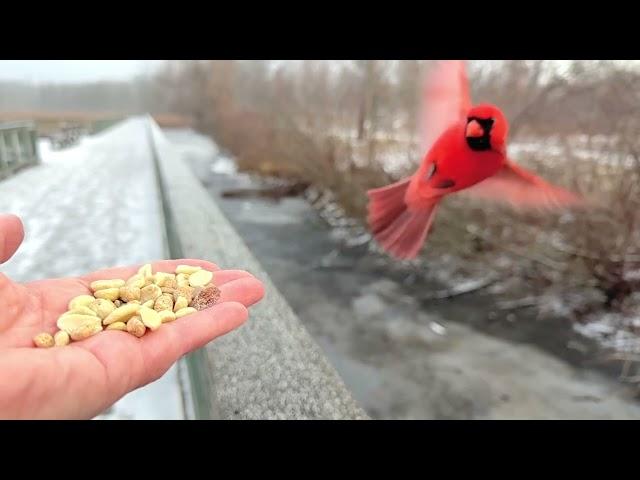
x=446 y=99
x=522 y=189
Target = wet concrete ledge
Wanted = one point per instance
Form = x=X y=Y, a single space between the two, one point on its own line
x=270 y=368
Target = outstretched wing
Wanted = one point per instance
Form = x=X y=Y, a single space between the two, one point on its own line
x=445 y=99
x=524 y=190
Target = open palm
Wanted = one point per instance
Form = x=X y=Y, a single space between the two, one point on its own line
x=84 y=378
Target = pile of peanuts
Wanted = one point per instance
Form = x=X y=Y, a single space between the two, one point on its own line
x=143 y=302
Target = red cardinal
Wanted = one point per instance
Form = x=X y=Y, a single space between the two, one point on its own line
x=466 y=149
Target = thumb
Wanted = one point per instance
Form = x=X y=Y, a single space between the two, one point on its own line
x=11 y=236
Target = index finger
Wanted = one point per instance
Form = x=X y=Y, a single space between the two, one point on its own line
x=124 y=273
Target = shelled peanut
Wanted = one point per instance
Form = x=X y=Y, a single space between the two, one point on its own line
x=141 y=303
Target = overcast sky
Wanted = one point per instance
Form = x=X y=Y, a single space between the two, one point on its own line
x=74 y=70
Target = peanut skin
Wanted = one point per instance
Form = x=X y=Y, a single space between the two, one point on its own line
x=43 y=340
x=136 y=327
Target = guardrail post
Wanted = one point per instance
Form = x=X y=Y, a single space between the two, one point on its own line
x=25 y=142
x=4 y=164
x=34 y=145
x=17 y=150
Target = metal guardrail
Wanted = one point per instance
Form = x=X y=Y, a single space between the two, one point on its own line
x=18 y=147
x=270 y=368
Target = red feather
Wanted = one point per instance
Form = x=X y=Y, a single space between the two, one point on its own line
x=398 y=230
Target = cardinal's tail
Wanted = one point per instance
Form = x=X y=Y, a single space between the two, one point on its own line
x=398 y=230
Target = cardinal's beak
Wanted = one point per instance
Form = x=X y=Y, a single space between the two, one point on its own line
x=474 y=129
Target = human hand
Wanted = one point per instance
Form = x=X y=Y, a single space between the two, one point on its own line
x=82 y=379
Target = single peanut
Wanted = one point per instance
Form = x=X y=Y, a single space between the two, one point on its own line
x=206 y=297
x=186 y=292
x=185 y=311
x=122 y=314
x=145 y=270
x=163 y=279
x=61 y=338
x=200 y=278
x=102 y=307
x=80 y=301
x=108 y=293
x=181 y=303
x=116 y=326
x=136 y=280
x=43 y=340
x=150 y=292
x=150 y=318
x=72 y=321
x=182 y=280
x=136 y=327
x=167 y=316
x=83 y=310
x=117 y=303
x=85 y=331
x=106 y=284
x=187 y=269
x=163 y=302
x=129 y=293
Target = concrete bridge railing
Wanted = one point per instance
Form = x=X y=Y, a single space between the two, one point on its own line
x=270 y=368
x=18 y=147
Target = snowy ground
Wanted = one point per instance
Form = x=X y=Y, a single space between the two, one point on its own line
x=89 y=207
